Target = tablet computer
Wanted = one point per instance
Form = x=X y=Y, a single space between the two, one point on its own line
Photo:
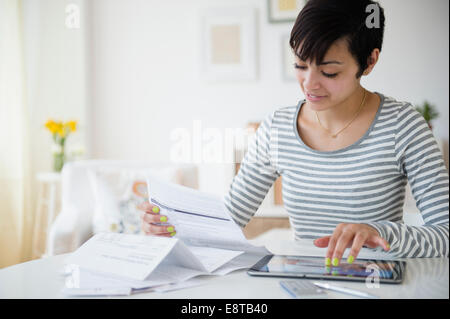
x=383 y=271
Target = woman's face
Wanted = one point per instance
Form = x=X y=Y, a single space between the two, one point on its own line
x=333 y=81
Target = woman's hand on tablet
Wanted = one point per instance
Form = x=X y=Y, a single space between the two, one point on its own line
x=150 y=218
x=353 y=236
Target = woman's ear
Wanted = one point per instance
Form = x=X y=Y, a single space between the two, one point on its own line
x=371 y=61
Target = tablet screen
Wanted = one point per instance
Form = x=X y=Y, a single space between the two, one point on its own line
x=314 y=267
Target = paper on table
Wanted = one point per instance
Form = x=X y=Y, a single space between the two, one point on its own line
x=164 y=274
x=213 y=258
x=88 y=279
x=124 y=255
x=174 y=273
x=109 y=260
x=240 y=262
x=200 y=219
x=212 y=239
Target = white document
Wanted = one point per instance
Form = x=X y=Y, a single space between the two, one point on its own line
x=123 y=255
x=200 y=218
x=213 y=258
x=136 y=261
x=208 y=242
x=82 y=278
x=164 y=274
x=243 y=261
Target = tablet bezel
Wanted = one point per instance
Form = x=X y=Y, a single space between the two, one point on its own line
x=255 y=271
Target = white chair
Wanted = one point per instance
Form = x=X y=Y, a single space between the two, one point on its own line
x=73 y=225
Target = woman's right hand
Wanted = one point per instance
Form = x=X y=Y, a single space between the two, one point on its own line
x=150 y=217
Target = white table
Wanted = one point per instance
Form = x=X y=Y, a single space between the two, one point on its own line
x=42 y=278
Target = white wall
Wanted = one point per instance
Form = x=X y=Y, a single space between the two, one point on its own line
x=146 y=79
x=414 y=61
x=144 y=74
x=55 y=72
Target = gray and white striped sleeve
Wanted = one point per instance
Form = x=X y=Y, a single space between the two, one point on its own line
x=420 y=159
x=254 y=178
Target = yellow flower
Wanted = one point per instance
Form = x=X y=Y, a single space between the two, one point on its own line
x=59 y=128
x=51 y=126
x=48 y=124
x=71 y=125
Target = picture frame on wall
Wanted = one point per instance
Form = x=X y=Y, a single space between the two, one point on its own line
x=288 y=60
x=229 y=44
x=280 y=11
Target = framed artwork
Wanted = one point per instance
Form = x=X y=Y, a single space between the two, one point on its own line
x=288 y=60
x=229 y=44
x=284 y=10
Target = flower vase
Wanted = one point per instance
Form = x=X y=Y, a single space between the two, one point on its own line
x=59 y=158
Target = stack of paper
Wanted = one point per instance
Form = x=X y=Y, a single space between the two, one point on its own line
x=208 y=242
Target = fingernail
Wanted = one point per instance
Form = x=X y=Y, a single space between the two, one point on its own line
x=335 y=262
x=173 y=234
x=170 y=229
x=155 y=209
x=388 y=246
x=163 y=219
x=327 y=261
x=350 y=259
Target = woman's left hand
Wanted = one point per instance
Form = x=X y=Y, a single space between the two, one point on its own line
x=352 y=236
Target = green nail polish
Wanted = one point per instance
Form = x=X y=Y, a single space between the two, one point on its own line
x=163 y=218
x=173 y=234
x=350 y=259
x=335 y=262
x=170 y=229
x=155 y=209
x=388 y=246
x=327 y=261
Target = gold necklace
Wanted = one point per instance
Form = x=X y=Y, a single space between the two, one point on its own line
x=348 y=124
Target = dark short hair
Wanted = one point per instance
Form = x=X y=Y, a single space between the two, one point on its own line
x=321 y=22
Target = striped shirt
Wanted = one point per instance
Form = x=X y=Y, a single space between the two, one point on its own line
x=362 y=183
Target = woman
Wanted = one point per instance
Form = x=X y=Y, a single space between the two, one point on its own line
x=345 y=153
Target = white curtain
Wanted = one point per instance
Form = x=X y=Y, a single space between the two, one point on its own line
x=15 y=206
